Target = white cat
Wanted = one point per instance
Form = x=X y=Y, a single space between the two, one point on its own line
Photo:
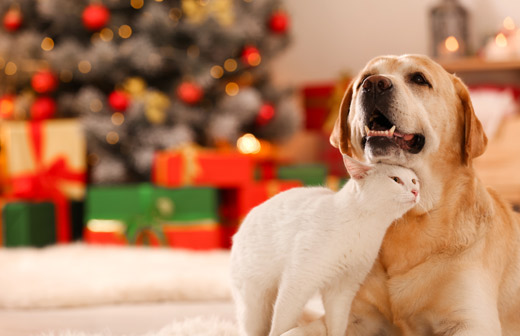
x=309 y=239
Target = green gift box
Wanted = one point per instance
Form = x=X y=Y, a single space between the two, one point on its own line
x=309 y=174
x=28 y=224
x=145 y=206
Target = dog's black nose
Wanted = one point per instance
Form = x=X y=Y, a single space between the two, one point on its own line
x=378 y=83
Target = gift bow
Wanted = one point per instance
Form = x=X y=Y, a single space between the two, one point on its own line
x=198 y=11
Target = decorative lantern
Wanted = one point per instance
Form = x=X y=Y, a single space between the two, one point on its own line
x=449 y=27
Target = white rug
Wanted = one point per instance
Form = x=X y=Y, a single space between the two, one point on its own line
x=190 y=327
x=78 y=275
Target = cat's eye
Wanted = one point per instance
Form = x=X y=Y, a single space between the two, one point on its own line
x=414 y=181
x=396 y=179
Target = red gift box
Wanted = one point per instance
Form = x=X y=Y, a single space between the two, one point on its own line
x=317 y=103
x=201 y=167
x=322 y=103
x=197 y=237
x=236 y=203
x=105 y=232
x=194 y=236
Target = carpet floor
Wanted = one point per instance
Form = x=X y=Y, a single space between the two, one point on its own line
x=82 y=290
x=79 y=275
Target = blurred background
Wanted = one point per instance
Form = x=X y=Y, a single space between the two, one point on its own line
x=116 y=102
x=99 y=97
x=163 y=122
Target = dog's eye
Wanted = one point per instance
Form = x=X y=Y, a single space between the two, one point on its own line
x=396 y=179
x=418 y=78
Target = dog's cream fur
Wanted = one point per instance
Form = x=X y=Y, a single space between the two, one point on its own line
x=451 y=266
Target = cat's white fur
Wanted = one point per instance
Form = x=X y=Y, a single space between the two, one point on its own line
x=309 y=239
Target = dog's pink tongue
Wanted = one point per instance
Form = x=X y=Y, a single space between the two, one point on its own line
x=406 y=137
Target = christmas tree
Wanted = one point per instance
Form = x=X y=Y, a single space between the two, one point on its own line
x=145 y=75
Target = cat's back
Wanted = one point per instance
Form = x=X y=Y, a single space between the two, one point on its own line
x=296 y=199
x=283 y=213
x=266 y=235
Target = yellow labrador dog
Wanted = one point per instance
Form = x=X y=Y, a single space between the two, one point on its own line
x=451 y=266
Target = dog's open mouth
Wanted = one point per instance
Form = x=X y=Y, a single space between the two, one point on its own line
x=379 y=126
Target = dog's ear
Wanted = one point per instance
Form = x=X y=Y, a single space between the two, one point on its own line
x=340 y=135
x=475 y=140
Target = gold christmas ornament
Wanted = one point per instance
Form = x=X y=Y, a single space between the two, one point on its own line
x=156 y=105
x=135 y=86
x=155 y=115
x=157 y=99
x=198 y=11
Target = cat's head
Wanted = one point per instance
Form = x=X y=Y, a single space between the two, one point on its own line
x=389 y=185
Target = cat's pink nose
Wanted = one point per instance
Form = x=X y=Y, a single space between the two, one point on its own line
x=415 y=192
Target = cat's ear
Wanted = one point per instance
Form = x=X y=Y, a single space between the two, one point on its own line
x=357 y=170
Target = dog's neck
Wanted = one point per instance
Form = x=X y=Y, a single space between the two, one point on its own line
x=450 y=196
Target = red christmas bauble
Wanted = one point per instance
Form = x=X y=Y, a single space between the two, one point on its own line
x=251 y=56
x=13 y=19
x=6 y=106
x=95 y=16
x=43 y=108
x=44 y=81
x=265 y=114
x=118 y=100
x=190 y=93
x=279 y=22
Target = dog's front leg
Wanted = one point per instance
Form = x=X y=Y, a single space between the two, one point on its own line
x=469 y=306
x=464 y=305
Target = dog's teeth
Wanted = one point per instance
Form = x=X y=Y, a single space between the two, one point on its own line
x=391 y=132
x=367 y=130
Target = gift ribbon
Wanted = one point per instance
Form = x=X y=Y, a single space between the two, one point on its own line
x=44 y=183
x=192 y=169
x=272 y=188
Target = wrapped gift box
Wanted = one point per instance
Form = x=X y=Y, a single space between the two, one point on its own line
x=308 y=174
x=201 y=167
x=236 y=203
x=105 y=232
x=317 y=101
x=44 y=160
x=195 y=237
x=145 y=214
x=28 y=224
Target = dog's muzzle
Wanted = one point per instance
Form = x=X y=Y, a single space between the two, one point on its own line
x=381 y=132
